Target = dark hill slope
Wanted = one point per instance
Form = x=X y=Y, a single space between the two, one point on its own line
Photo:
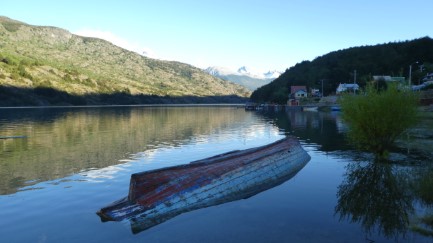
x=338 y=67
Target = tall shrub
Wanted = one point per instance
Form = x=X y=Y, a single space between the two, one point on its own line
x=377 y=117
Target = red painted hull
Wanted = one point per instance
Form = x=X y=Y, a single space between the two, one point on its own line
x=157 y=195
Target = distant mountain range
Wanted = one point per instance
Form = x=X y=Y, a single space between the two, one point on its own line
x=42 y=65
x=244 y=76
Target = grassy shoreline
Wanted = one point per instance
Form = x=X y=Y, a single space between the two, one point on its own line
x=139 y=105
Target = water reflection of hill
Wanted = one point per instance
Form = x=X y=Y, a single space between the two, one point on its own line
x=328 y=130
x=322 y=128
x=64 y=141
x=387 y=199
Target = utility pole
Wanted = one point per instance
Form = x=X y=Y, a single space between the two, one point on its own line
x=323 y=93
x=354 y=79
x=410 y=75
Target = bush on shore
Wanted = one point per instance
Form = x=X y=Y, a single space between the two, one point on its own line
x=376 y=117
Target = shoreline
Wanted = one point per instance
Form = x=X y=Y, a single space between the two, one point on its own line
x=108 y=106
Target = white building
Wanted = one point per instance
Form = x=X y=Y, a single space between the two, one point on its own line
x=347 y=88
x=300 y=94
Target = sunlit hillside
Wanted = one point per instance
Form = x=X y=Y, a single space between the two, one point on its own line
x=81 y=69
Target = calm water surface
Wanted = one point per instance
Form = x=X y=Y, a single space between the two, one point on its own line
x=74 y=161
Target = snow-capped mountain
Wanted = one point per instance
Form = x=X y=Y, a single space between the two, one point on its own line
x=244 y=76
x=244 y=71
x=272 y=74
x=221 y=71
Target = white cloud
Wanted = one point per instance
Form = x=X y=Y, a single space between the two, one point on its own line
x=118 y=41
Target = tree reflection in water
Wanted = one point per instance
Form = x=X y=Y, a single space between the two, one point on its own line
x=423 y=221
x=424 y=188
x=388 y=197
x=377 y=196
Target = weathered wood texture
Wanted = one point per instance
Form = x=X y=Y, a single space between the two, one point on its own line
x=157 y=195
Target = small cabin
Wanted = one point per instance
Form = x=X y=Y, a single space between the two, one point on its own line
x=297 y=92
x=389 y=79
x=347 y=88
x=315 y=93
x=300 y=94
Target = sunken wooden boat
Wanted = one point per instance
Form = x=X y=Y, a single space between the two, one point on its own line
x=158 y=195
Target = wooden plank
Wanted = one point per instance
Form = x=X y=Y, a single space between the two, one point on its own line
x=164 y=193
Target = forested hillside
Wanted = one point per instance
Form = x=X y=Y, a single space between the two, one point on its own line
x=50 y=66
x=392 y=59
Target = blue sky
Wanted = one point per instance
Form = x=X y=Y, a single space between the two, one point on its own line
x=262 y=35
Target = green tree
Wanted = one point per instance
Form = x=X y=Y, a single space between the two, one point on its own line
x=280 y=96
x=376 y=118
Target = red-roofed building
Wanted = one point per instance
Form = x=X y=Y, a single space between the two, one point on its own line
x=296 y=93
x=294 y=89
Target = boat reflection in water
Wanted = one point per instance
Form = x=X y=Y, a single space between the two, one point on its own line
x=158 y=195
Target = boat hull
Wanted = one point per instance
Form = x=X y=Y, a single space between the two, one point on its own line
x=158 y=195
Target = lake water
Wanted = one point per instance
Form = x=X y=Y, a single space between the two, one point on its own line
x=73 y=161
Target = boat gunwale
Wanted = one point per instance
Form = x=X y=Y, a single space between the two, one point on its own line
x=231 y=157
x=220 y=157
